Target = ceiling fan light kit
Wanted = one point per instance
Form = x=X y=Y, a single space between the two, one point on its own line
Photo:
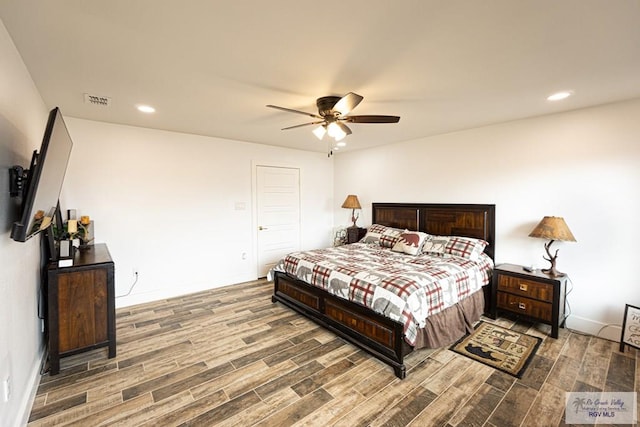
x=332 y=113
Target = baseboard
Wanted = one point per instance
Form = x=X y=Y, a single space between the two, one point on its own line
x=141 y=296
x=34 y=382
x=588 y=326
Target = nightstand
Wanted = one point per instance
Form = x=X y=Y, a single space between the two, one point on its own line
x=354 y=234
x=535 y=296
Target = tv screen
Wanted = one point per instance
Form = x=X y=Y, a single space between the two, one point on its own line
x=45 y=179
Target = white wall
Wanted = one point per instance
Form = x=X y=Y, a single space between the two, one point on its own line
x=165 y=204
x=582 y=165
x=23 y=116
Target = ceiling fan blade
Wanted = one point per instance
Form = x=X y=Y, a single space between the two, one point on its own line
x=304 y=124
x=347 y=103
x=315 y=116
x=344 y=128
x=372 y=119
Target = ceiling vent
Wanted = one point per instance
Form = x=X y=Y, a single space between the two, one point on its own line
x=102 y=101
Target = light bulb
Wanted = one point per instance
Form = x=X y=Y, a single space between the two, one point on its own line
x=319 y=132
x=333 y=130
x=340 y=136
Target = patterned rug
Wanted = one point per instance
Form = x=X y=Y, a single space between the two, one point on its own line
x=500 y=348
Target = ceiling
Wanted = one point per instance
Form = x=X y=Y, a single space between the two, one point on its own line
x=210 y=67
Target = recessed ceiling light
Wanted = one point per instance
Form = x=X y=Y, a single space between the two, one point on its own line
x=559 y=96
x=146 y=109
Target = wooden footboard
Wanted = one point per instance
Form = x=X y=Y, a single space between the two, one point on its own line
x=377 y=335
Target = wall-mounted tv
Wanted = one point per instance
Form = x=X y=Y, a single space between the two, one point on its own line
x=44 y=181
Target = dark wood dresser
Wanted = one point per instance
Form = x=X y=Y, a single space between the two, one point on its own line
x=81 y=305
x=535 y=296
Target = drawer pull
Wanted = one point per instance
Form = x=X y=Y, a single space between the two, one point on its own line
x=523 y=287
x=522 y=306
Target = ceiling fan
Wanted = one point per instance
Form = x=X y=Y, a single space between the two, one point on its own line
x=333 y=113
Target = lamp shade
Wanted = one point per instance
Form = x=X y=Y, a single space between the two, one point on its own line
x=553 y=228
x=351 y=202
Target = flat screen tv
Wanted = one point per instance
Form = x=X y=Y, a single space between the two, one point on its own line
x=44 y=180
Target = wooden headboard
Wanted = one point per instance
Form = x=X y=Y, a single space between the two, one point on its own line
x=467 y=220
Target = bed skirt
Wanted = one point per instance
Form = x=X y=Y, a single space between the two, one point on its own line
x=452 y=323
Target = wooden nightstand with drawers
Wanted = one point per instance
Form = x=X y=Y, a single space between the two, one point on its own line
x=535 y=296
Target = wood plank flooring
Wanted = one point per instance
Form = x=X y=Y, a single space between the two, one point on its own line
x=231 y=357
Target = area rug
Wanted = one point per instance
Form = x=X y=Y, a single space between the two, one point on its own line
x=500 y=348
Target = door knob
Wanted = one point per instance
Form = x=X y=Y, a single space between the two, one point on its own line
x=262 y=228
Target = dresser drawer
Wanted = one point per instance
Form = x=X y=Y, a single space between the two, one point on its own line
x=525 y=288
x=530 y=307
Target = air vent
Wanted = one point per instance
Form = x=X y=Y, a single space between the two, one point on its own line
x=102 y=101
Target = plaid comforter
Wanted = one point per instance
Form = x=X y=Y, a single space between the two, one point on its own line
x=405 y=288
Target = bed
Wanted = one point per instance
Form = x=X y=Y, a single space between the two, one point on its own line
x=384 y=334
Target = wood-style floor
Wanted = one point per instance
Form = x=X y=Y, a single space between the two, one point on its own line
x=231 y=357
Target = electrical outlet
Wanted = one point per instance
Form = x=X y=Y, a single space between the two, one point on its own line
x=6 y=389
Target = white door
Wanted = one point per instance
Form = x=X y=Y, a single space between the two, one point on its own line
x=277 y=214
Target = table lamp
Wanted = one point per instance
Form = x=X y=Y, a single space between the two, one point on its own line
x=552 y=228
x=352 y=202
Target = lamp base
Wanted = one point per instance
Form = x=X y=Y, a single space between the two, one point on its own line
x=354 y=218
x=553 y=272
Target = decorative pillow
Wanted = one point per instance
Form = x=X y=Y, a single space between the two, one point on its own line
x=382 y=235
x=410 y=242
x=390 y=237
x=435 y=245
x=339 y=236
x=373 y=233
x=465 y=247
